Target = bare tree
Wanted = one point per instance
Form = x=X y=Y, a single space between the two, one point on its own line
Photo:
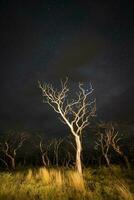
x=11 y=145
x=115 y=144
x=110 y=140
x=103 y=142
x=75 y=114
x=68 y=150
x=42 y=143
x=44 y=152
x=56 y=143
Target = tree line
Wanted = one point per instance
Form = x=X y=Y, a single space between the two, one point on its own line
x=24 y=148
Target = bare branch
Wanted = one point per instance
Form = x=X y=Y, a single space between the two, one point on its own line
x=11 y=145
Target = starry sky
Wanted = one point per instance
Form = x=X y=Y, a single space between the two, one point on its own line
x=88 y=41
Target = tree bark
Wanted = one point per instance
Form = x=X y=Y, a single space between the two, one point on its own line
x=43 y=160
x=13 y=163
x=107 y=161
x=12 y=159
x=78 y=154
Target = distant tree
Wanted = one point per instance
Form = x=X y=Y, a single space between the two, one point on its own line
x=9 y=146
x=75 y=114
x=103 y=142
x=43 y=145
x=56 y=143
x=108 y=140
x=115 y=144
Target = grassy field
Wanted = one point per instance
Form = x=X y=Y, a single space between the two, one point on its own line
x=66 y=184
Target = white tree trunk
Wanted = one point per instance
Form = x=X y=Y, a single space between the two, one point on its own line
x=78 y=154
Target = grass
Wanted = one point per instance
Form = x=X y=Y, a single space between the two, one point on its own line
x=66 y=184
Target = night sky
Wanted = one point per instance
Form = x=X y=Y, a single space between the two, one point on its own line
x=84 y=40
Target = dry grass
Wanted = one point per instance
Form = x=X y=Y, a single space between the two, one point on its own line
x=124 y=191
x=59 y=184
x=76 y=181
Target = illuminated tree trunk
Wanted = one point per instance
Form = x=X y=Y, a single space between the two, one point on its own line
x=78 y=154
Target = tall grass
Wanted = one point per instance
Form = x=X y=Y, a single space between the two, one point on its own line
x=61 y=184
x=124 y=191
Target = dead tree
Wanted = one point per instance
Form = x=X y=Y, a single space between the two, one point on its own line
x=68 y=159
x=43 y=145
x=115 y=144
x=75 y=114
x=56 y=143
x=10 y=146
x=110 y=140
x=103 y=142
x=44 y=154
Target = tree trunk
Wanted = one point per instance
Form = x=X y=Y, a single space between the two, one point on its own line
x=78 y=154
x=12 y=159
x=13 y=163
x=126 y=161
x=107 y=160
x=43 y=159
